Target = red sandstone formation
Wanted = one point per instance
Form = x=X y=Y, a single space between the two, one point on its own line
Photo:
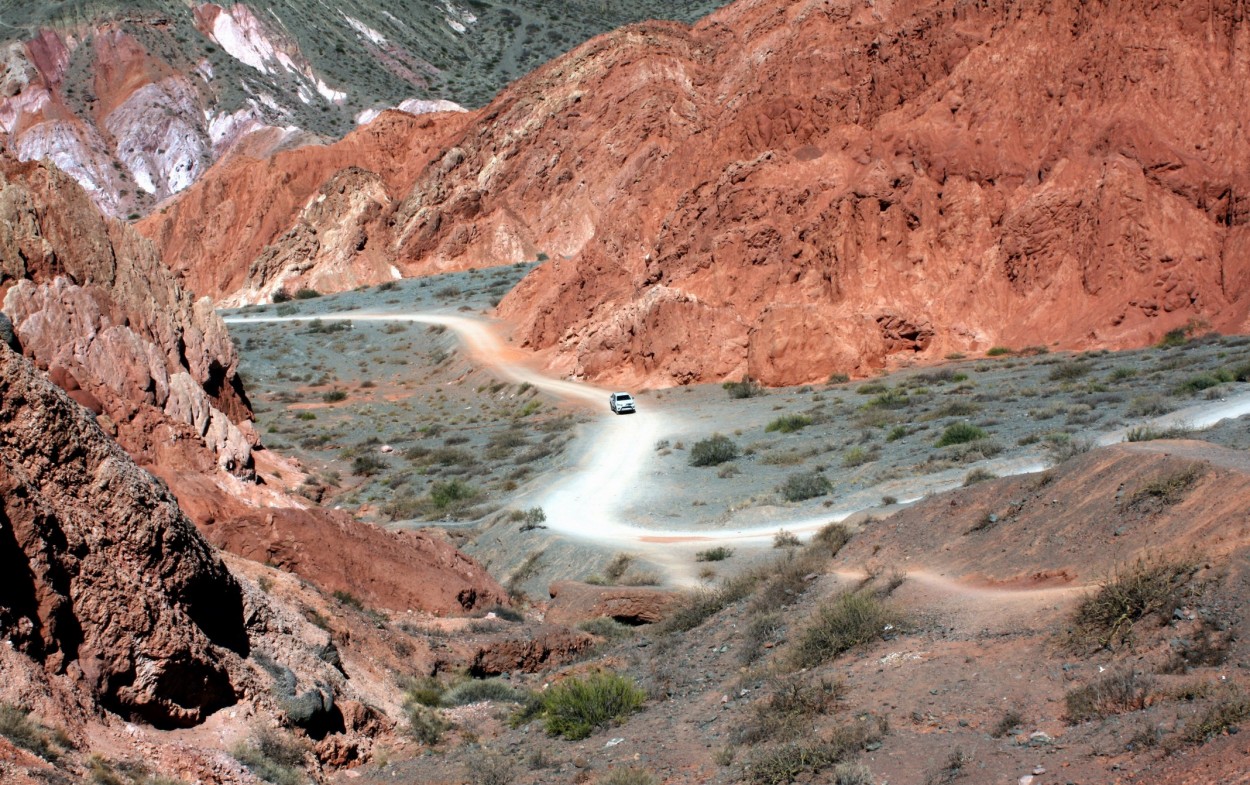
x=311 y=216
x=793 y=190
x=573 y=602
x=92 y=304
x=104 y=579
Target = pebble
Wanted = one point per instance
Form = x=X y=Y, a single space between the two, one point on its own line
x=1039 y=770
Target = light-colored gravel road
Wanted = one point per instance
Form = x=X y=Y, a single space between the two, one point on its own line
x=591 y=500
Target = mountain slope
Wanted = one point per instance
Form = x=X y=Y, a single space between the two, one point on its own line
x=793 y=190
x=136 y=98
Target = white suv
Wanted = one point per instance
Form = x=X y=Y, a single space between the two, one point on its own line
x=621 y=403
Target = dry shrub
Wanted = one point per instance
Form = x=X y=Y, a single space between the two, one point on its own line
x=1151 y=586
x=1115 y=693
x=789 y=710
x=851 y=619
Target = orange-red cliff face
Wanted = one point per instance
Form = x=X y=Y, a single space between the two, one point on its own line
x=789 y=190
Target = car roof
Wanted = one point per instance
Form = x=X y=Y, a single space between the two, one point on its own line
x=622 y=394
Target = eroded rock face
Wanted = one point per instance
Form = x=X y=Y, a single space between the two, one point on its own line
x=104 y=579
x=573 y=602
x=794 y=190
x=91 y=304
x=547 y=646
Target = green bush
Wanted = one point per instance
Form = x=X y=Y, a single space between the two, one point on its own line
x=851 y=619
x=306 y=294
x=714 y=450
x=478 y=690
x=789 y=423
x=367 y=465
x=1204 y=381
x=998 y=351
x=1069 y=371
x=838 y=378
x=805 y=485
x=1176 y=337
x=747 y=388
x=960 y=433
x=334 y=396
x=444 y=494
x=857 y=456
x=890 y=399
x=719 y=553
x=575 y=707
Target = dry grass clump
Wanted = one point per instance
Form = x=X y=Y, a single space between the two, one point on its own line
x=789 y=710
x=1115 y=693
x=1154 y=585
x=699 y=606
x=851 y=619
x=1224 y=714
x=786 y=763
x=628 y=776
x=1164 y=491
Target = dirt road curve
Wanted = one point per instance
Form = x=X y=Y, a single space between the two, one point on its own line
x=590 y=501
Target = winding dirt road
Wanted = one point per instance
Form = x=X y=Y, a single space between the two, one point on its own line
x=590 y=500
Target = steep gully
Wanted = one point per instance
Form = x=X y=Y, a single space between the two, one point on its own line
x=591 y=501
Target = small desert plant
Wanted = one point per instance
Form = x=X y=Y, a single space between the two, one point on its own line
x=832 y=536
x=785 y=539
x=334 y=396
x=425 y=724
x=1061 y=446
x=786 y=763
x=789 y=423
x=444 y=494
x=1010 y=720
x=490 y=768
x=960 y=433
x=837 y=378
x=306 y=294
x=1069 y=371
x=857 y=456
x=1150 y=586
x=1222 y=715
x=530 y=519
x=978 y=475
x=719 y=553
x=606 y=627
x=1171 y=338
x=1164 y=490
x=273 y=756
x=1146 y=433
x=617 y=567
x=851 y=619
x=575 y=707
x=1149 y=406
x=477 y=690
x=714 y=450
x=998 y=351
x=17 y=726
x=1114 y=693
x=699 y=606
x=1204 y=381
x=789 y=710
x=747 y=388
x=628 y=776
x=805 y=485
